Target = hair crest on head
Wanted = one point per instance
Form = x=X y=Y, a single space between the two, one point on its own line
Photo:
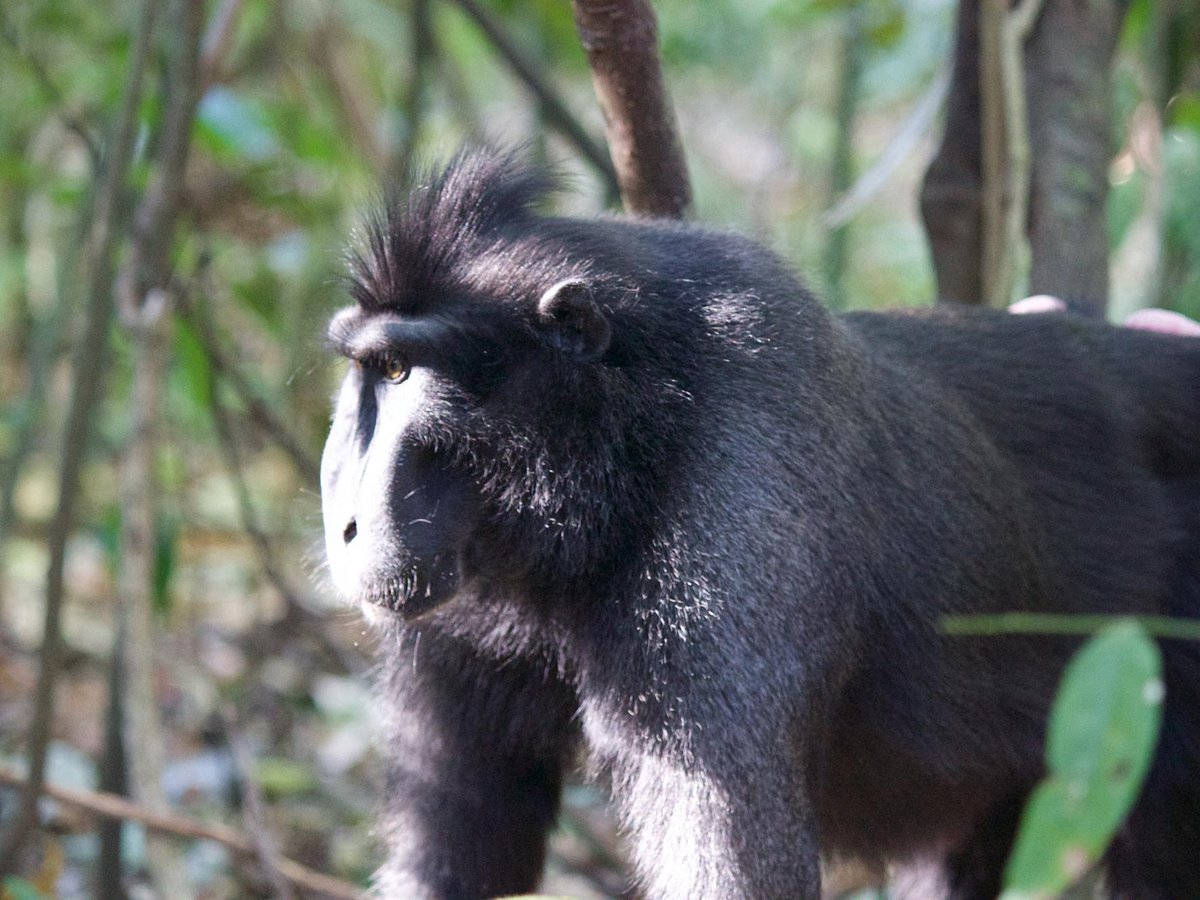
x=412 y=244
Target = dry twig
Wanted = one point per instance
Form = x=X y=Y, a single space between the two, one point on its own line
x=115 y=807
x=254 y=808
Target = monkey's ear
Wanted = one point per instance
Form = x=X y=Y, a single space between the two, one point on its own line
x=573 y=322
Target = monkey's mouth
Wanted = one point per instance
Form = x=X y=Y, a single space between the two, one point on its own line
x=415 y=590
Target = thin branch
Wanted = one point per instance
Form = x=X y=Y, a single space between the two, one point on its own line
x=620 y=38
x=113 y=778
x=1082 y=625
x=460 y=97
x=116 y=807
x=1016 y=27
x=260 y=410
x=139 y=515
x=424 y=55
x=899 y=148
x=1006 y=154
x=351 y=105
x=252 y=801
x=154 y=221
x=250 y=524
x=996 y=264
x=218 y=38
x=849 y=83
x=51 y=91
x=146 y=297
x=46 y=347
x=90 y=363
x=555 y=110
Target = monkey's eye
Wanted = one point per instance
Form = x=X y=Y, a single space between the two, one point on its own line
x=395 y=368
x=390 y=367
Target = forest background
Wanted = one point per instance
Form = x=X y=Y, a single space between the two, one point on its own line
x=166 y=269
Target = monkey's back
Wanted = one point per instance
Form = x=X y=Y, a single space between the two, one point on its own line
x=1101 y=428
x=1101 y=423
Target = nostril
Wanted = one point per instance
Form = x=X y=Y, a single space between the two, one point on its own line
x=350 y=531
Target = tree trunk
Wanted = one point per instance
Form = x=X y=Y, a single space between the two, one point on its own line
x=1068 y=63
x=950 y=196
x=1067 y=74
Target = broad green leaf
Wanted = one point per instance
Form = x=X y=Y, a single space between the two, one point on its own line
x=1101 y=738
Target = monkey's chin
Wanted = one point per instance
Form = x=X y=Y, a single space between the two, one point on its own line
x=383 y=612
x=415 y=593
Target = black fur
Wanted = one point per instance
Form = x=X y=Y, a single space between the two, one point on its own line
x=707 y=531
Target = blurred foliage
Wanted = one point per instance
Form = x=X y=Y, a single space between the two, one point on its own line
x=311 y=107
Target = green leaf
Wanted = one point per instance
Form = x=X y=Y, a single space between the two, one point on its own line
x=885 y=25
x=260 y=294
x=282 y=777
x=165 y=535
x=1184 y=111
x=193 y=369
x=1102 y=733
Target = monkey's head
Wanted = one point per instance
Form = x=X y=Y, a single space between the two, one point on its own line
x=501 y=421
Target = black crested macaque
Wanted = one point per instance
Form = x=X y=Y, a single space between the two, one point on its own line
x=626 y=486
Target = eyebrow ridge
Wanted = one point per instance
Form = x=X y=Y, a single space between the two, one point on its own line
x=358 y=335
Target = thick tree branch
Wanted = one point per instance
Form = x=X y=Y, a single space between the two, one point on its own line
x=1068 y=69
x=950 y=194
x=620 y=38
x=985 y=191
